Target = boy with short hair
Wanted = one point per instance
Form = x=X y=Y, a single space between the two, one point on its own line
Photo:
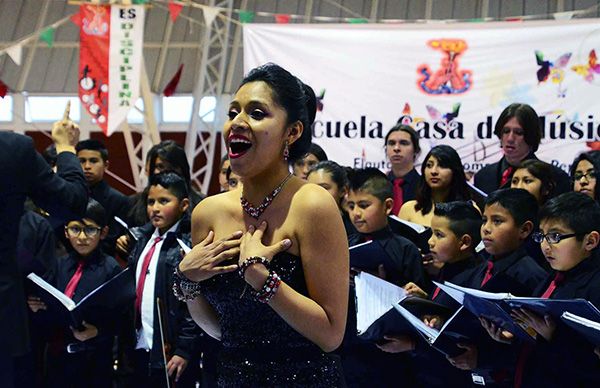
x=455 y=226
x=370 y=201
x=154 y=259
x=509 y=217
x=93 y=157
x=82 y=358
x=569 y=235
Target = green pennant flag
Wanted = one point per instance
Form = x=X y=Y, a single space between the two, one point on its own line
x=246 y=16
x=48 y=36
x=476 y=20
x=140 y=1
x=358 y=20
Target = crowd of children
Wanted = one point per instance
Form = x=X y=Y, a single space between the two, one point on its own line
x=538 y=240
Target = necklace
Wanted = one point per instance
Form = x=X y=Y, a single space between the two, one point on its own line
x=255 y=212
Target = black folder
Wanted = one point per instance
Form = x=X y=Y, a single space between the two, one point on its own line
x=107 y=297
x=590 y=329
x=369 y=255
x=418 y=234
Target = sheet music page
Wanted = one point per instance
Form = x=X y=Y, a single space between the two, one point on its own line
x=374 y=297
x=62 y=298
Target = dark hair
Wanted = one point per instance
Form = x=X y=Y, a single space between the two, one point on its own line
x=174 y=154
x=520 y=203
x=317 y=151
x=459 y=190
x=228 y=173
x=527 y=118
x=372 y=181
x=594 y=158
x=172 y=182
x=294 y=96
x=463 y=219
x=151 y=154
x=95 y=212
x=93 y=145
x=577 y=211
x=50 y=154
x=414 y=136
x=542 y=171
x=337 y=172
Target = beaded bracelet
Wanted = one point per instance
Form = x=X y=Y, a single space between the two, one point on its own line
x=269 y=289
x=184 y=288
x=250 y=261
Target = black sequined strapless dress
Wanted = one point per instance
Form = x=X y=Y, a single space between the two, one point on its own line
x=259 y=348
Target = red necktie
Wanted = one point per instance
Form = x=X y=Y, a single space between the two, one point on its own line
x=488 y=273
x=398 y=195
x=72 y=285
x=527 y=348
x=435 y=293
x=506 y=175
x=140 y=286
x=558 y=278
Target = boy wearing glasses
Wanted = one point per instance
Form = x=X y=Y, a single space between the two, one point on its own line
x=569 y=235
x=81 y=358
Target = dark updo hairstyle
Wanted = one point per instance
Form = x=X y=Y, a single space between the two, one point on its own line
x=542 y=171
x=414 y=136
x=527 y=118
x=294 y=96
x=174 y=154
x=594 y=158
x=337 y=172
x=459 y=190
x=171 y=181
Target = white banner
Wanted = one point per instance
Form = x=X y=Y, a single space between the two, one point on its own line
x=125 y=62
x=450 y=82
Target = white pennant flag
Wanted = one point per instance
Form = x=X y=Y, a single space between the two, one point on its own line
x=210 y=13
x=14 y=52
x=563 y=15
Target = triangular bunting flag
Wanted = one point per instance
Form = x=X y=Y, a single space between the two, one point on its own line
x=140 y=1
x=357 y=20
x=282 y=18
x=14 y=52
x=564 y=15
x=48 y=36
x=210 y=13
x=76 y=19
x=246 y=16
x=3 y=89
x=172 y=85
x=174 y=10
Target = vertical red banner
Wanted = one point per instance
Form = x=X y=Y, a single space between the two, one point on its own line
x=94 y=46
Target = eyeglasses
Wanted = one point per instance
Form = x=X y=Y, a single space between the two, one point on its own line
x=590 y=175
x=551 y=238
x=89 y=231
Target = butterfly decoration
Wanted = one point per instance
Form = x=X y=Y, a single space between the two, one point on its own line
x=438 y=116
x=588 y=70
x=320 y=100
x=553 y=69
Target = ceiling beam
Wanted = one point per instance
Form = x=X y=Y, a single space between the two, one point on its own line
x=162 y=57
x=31 y=53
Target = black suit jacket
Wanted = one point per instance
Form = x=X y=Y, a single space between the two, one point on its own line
x=116 y=204
x=488 y=178
x=23 y=172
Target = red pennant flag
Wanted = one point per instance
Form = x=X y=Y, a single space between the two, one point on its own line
x=172 y=85
x=174 y=10
x=282 y=18
x=76 y=19
x=3 y=89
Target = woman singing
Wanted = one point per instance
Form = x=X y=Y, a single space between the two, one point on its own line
x=268 y=274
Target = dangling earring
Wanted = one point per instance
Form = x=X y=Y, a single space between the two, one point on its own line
x=286 y=151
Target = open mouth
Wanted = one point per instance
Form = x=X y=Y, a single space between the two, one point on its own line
x=238 y=146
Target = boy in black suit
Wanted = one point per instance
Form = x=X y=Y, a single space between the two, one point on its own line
x=509 y=217
x=93 y=157
x=369 y=203
x=455 y=227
